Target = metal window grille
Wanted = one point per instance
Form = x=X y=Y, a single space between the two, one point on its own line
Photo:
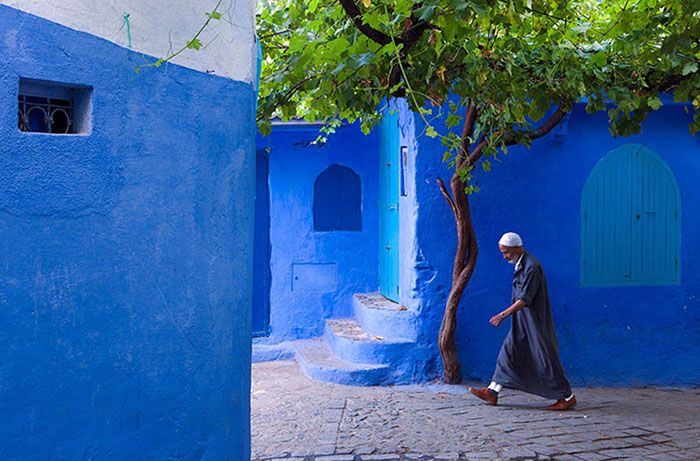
x=38 y=114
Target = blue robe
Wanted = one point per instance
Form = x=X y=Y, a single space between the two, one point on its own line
x=529 y=358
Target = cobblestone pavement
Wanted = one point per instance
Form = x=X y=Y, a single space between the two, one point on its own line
x=297 y=419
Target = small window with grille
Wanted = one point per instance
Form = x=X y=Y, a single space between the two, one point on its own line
x=55 y=108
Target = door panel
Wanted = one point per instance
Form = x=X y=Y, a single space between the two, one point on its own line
x=630 y=221
x=389 y=207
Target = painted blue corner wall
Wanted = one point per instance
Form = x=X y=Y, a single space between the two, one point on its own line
x=424 y=244
x=607 y=335
x=126 y=262
x=315 y=274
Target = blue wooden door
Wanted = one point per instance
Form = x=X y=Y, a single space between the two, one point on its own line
x=630 y=221
x=389 y=207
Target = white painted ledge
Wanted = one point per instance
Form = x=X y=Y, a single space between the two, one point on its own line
x=159 y=26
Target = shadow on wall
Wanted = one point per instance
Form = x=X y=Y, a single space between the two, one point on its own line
x=338 y=200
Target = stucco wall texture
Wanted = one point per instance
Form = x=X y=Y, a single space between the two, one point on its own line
x=158 y=28
x=298 y=308
x=607 y=335
x=126 y=262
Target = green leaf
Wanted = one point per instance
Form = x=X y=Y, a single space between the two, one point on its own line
x=654 y=102
x=313 y=4
x=599 y=59
x=426 y=13
x=480 y=6
x=194 y=44
x=373 y=19
x=340 y=67
x=689 y=68
x=430 y=132
x=214 y=15
x=453 y=120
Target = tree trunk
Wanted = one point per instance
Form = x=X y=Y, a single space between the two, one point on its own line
x=463 y=268
x=467 y=248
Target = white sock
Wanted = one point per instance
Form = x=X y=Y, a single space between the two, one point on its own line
x=497 y=387
x=569 y=397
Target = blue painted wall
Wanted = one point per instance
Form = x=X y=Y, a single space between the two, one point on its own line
x=426 y=236
x=608 y=336
x=261 y=251
x=126 y=260
x=329 y=266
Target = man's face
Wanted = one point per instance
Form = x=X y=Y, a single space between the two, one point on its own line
x=510 y=254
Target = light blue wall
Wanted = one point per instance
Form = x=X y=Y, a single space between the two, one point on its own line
x=125 y=270
x=299 y=310
x=608 y=336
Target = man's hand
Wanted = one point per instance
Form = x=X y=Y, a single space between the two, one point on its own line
x=497 y=319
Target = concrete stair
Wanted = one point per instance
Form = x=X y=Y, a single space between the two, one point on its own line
x=318 y=361
x=376 y=347
x=350 y=342
x=379 y=316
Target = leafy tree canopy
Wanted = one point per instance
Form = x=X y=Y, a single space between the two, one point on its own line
x=332 y=60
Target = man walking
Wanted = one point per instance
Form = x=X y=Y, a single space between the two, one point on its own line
x=529 y=357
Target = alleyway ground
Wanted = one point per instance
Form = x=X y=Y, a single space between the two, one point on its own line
x=295 y=418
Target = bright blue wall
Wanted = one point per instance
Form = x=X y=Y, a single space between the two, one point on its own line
x=126 y=260
x=298 y=309
x=612 y=335
x=426 y=238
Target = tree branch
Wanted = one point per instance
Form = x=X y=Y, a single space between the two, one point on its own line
x=446 y=194
x=671 y=82
x=290 y=92
x=462 y=220
x=412 y=33
x=478 y=150
x=352 y=10
x=297 y=86
x=467 y=131
x=274 y=34
x=545 y=128
x=542 y=130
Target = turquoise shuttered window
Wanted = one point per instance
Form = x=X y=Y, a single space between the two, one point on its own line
x=630 y=221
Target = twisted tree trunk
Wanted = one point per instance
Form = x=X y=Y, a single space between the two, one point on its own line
x=467 y=251
x=467 y=248
x=464 y=264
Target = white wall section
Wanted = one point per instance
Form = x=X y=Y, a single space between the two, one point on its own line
x=161 y=26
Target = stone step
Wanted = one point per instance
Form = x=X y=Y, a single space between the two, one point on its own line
x=350 y=342
x=318 y=361
x=379 y=316
x=271 y=352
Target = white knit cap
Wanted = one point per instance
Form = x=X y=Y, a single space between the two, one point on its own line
x=511 y=239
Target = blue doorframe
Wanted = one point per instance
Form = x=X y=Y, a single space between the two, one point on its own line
x=261 y=251
x=389 y=172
